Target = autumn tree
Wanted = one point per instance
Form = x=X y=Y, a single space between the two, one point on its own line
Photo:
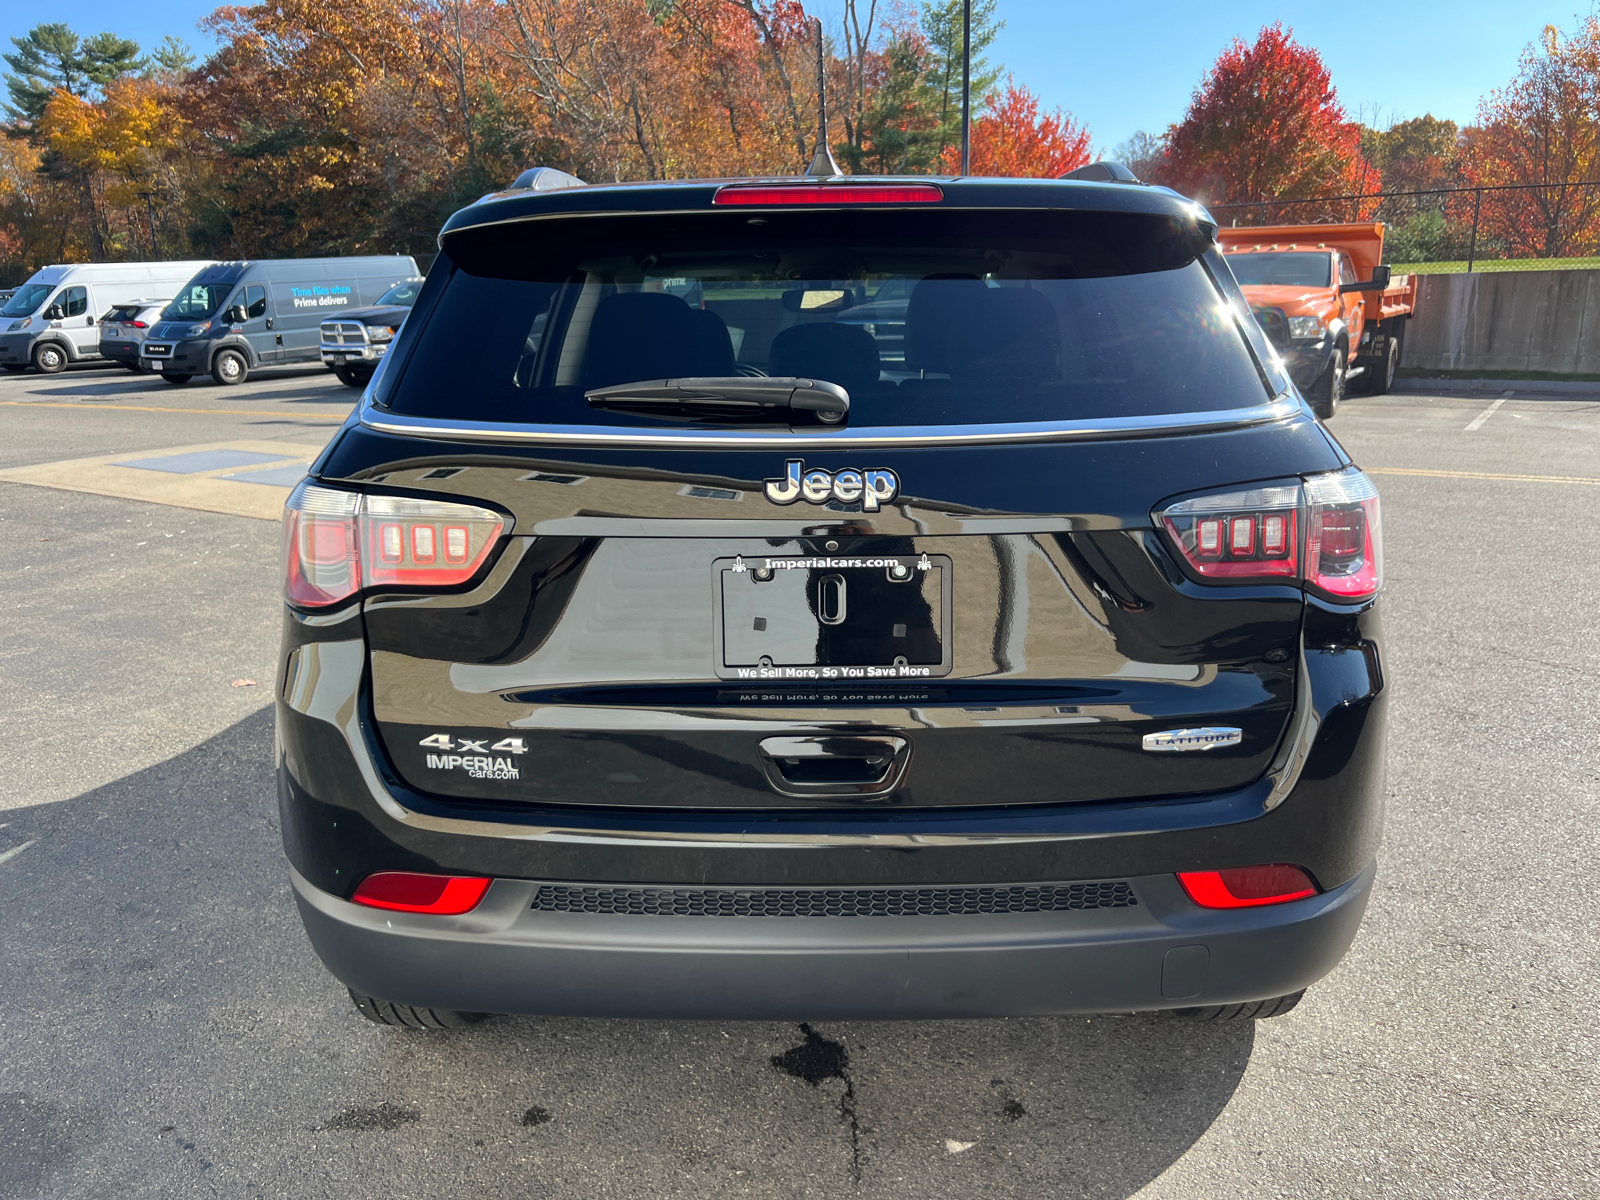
x=1265 y=123
x=1542 y=128
x=1011 y=137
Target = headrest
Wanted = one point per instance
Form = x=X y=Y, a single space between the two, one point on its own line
x=641 y=335
x=1007 y=333
x=932 y=315
x=842 y=354
x=713 y=346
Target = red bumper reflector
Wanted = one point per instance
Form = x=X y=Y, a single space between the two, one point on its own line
x=1247 y=887
x=410 y=891
x=828 y=193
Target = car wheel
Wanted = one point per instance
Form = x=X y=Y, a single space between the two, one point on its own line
x=406 y=1016
x=1328 y=390
x=352 y=378
x=49 y=358
x=1254 y=1010
x=229 y=368
x=175 y=377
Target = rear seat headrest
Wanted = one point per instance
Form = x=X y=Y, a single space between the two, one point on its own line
x=842 y=354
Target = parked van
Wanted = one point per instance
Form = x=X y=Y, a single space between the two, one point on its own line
x=235 y=316
x=54 y=318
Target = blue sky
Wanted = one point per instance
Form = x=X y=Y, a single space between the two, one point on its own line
x=1121 y=67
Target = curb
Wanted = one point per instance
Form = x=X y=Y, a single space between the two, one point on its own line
x=1517 y=387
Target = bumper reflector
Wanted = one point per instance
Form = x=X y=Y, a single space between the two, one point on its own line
x=410 y=891
x=1247 y=887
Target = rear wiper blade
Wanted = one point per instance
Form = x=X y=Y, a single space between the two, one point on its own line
x=736 y=395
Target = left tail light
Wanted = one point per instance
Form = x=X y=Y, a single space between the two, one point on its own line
x=1247 y=887
x=1325 y=531
x=336 y=543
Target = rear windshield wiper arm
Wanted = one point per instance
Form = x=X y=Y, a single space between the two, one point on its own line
x=737 y=395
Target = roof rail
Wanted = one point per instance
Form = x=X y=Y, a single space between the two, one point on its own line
x=1104 y=172
x=544 y=179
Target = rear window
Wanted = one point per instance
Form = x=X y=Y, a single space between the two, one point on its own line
x=125 y=312
x=924 y=318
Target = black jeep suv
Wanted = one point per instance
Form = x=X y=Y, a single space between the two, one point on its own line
x=655 y=645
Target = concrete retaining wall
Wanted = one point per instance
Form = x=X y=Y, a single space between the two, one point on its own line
x=1506 y=321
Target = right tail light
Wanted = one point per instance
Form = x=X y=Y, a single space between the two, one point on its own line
x=336 y=543
x=1325 y=531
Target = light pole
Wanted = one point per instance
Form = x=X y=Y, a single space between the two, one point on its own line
x=966 y=86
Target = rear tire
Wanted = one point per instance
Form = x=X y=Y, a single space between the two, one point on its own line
x=406 y=1016
x=229 y=368
x=352 y=378
x=1382 y=374
x=49 y=358
x=1328 y=390
x=176 y=377
x=1255 y=1010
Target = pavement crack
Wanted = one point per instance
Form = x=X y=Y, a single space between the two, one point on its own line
x=818 y=1058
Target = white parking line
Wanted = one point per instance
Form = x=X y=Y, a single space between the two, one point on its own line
x=16 y=850
x=1477 y=421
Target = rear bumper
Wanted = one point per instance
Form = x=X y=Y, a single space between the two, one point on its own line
x=504 y=957
x=122 y=352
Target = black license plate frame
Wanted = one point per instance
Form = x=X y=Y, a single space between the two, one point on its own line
x=899 y=628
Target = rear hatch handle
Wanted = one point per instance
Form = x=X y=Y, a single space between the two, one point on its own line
x=731 y=395
x=862 y=766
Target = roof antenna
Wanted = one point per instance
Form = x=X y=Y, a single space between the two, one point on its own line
x=822 y=164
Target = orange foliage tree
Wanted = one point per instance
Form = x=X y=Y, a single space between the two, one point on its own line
x=1543 y=128
x=1265 y=123
x=1012 y=137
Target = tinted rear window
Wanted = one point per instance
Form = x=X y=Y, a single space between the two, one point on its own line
x=925 y=318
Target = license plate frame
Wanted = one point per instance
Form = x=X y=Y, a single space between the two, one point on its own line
x=812 y=637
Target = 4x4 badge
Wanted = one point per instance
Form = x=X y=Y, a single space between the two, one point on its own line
x=873 y=488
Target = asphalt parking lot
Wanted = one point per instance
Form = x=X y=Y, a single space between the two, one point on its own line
x=169 y=1033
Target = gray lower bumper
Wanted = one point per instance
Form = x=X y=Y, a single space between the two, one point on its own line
x=506 y=958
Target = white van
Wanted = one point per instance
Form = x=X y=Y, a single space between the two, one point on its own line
x=54 y=318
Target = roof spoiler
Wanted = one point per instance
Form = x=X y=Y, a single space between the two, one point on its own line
x=544 y=179
x=1104 y=172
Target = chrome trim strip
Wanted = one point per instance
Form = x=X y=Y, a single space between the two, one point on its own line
x=885 y=437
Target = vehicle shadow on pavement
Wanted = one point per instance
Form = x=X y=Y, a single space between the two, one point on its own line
x=169 y=1031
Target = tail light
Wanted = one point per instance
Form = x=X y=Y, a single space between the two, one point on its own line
x=1247 y=887
x=1256 y=534
x=336 y=543
x=1344 y=542
x=412 y=891
x=1239 y=535
x=137 y=324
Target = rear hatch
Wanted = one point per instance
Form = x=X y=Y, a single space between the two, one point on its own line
x=598 y=570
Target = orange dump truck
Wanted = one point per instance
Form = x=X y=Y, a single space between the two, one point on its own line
x=1327 y=303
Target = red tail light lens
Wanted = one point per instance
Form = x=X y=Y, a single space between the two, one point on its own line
x=1255 y=534
x=1247 y=887
x=1238 y=535
x=788 y=194
x=1344 y=540
x=337 y=543
x=411 y=891
x=137 y=324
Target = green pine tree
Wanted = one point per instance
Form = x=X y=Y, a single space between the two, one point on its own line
x=899 y=132
x=52 y=56
x=941 y=24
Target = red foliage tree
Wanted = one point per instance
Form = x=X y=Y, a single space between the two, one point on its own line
x=1264 y=123
x=1011 y=137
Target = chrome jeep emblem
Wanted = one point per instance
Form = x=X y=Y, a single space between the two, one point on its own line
x=873 y=488
x=1207 y=738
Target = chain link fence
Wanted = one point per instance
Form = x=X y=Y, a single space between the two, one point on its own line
x=1504 y=228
